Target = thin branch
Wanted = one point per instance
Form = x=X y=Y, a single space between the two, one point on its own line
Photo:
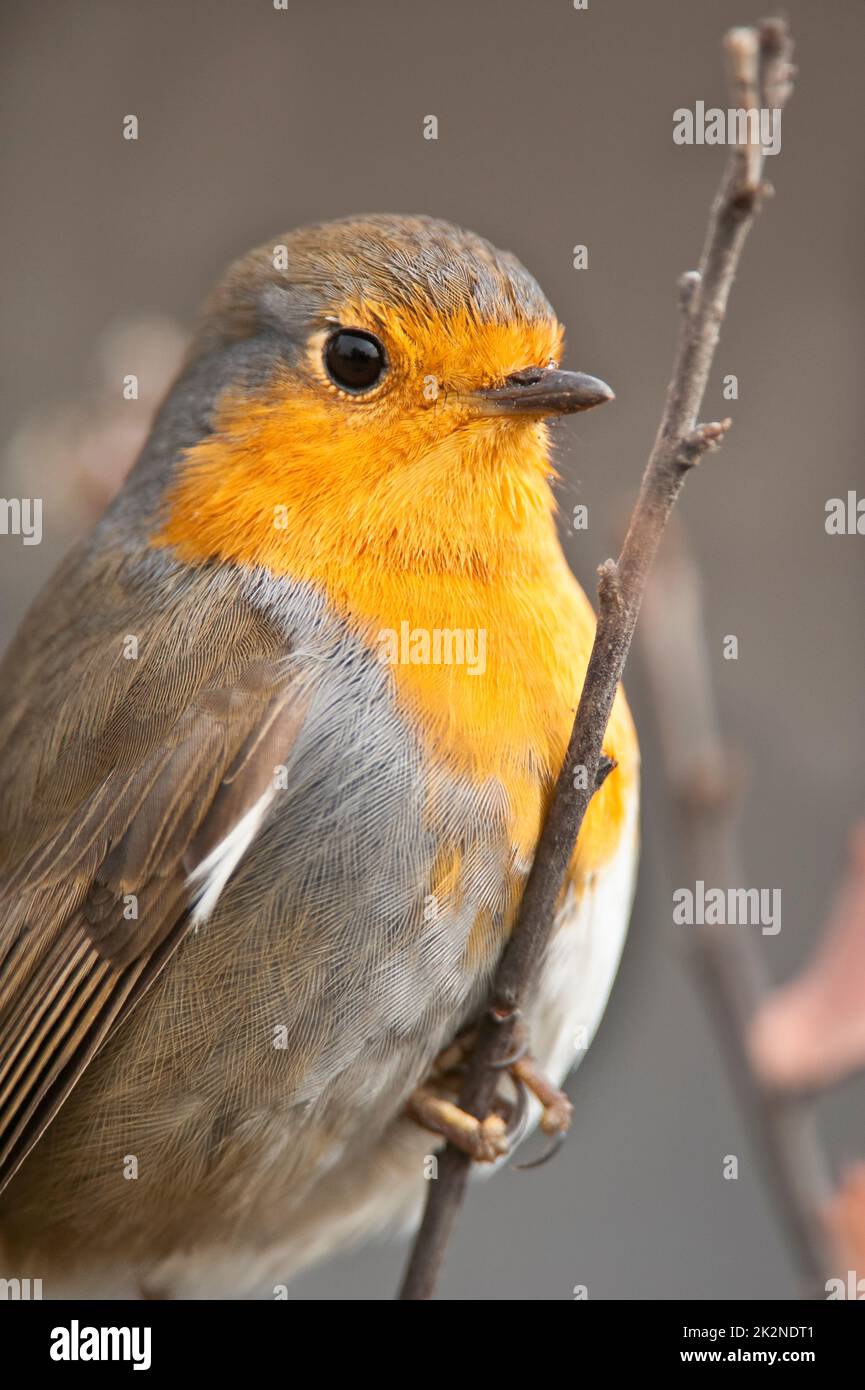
x=761 y=63
x=705 y=781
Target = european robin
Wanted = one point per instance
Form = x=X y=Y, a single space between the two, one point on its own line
x=275 y=748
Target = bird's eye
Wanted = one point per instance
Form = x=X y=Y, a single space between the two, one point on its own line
x=355 y=360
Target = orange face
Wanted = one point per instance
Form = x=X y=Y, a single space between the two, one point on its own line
x=303 y=475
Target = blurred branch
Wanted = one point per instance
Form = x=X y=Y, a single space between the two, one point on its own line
x=758 y=61
x=704 y=778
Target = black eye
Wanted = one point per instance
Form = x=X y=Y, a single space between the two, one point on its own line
x=355 y=360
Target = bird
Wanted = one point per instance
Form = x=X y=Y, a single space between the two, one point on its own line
x=276 y=746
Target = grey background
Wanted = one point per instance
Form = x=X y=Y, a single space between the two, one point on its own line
x=555 y=128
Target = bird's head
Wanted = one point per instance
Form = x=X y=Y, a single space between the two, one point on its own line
x=377 y=386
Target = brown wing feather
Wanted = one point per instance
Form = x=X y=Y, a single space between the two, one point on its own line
x=93 y=880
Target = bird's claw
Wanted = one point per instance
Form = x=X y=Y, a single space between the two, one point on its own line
x=488 y=1140
x=485 y=1141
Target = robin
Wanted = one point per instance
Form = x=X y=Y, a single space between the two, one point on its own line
x=276 y=744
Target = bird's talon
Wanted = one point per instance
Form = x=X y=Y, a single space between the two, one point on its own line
x=549 y=1152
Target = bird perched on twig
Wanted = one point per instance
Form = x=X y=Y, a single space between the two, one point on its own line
x=275 y=748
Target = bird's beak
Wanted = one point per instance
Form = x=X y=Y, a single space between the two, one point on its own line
x=542 y=391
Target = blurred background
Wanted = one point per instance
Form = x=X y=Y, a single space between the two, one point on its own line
x=554 y=130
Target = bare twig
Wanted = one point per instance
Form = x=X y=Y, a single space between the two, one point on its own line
x=758 y=65
x=704 y=778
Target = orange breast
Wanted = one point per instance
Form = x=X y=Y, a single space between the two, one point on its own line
x=450 y=570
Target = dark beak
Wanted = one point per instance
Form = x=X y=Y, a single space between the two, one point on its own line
x=543 y=391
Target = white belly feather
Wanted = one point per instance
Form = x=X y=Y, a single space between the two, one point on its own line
x=583 y=958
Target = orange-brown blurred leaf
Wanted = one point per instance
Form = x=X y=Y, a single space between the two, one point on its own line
x=812 y=1031
x=845 y=1219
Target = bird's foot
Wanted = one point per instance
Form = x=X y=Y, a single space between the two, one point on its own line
x=490 y=1139
x=485 y=1141
x=557 y=1111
